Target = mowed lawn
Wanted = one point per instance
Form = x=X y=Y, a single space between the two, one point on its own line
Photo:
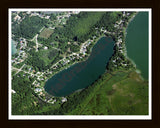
x=46 y=33
x=122 y=93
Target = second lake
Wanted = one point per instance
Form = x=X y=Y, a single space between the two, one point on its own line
x=137 y=42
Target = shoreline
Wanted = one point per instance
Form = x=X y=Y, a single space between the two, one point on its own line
x=125 y=53
x=13 y=45
x=72 y=65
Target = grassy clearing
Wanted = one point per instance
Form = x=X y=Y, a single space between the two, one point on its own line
x=86 y=23
x=125 y=93
x=46 y=33
x=45 y=55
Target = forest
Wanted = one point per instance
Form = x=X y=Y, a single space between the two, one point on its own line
x=42 y=60
x=29 y=27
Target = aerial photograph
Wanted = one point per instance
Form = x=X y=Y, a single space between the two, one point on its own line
x=79 y=62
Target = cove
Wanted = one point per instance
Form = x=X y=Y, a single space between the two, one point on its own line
x=137 y=42
x=82 y=74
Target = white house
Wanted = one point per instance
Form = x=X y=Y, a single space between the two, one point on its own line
x=17 y=17
x=64 y=99
x=38 y=90
x=45 y=48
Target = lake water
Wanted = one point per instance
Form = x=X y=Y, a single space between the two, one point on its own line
x=137 y=42
x=83 y=74
x=13 y=49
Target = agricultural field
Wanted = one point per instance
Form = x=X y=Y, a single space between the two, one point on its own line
x=46 y=33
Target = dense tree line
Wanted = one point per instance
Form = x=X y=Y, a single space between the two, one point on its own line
x=36 y=62
x=23 y=95
x=30 y=44
x=74 y=48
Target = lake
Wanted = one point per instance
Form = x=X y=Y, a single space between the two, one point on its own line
x=13 y=47
x=82 y=74
x=137 y=42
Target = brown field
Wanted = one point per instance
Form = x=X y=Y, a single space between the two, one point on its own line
x=46 y=33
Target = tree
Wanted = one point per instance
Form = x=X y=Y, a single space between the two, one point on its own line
x=28 y=27
x=53 y=17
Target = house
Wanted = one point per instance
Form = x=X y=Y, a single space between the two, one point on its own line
x=12 y=91
x=38 y=90
x=114 y=61
x=75 y=12
x=28 y=12
x=45 y=48
x=64 y=99
x=47 y=17
x=54 y=101
x=13 y=61
x=17 y=17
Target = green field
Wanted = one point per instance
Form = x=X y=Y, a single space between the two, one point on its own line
x=45 y=55
x=46 y=33
x=122 y=93
x=86 y=23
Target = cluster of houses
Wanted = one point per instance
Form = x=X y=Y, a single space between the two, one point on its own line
x=42 y=76
x=60 y=18
x=17 y=18
x=21 y=54
x=37 y=14
x=39 y=90
x=120 y=44
x=83 y=49
x=20 y=58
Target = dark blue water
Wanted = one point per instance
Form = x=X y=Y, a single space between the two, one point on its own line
x=83 y=74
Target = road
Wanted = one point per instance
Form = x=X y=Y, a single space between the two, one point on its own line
x=36 y=43
x=18 y=69
x=57 y=48
x=35 y=38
